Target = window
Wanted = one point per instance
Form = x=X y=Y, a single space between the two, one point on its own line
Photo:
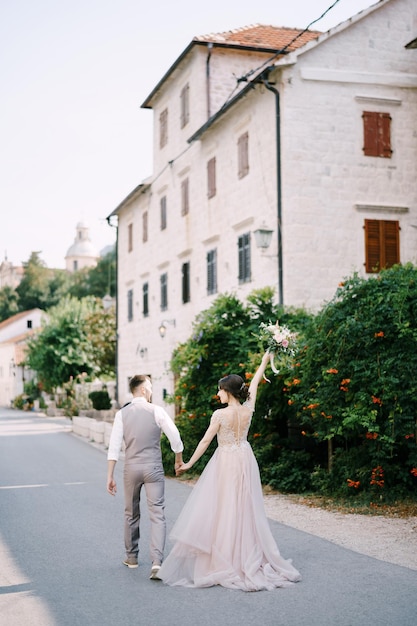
x=244 y=258
x=164 y=292
x=130 y=305
x=185 y=202
x=185 y=105
x=377 y=134
x=211 y=177
x=145 y=227
x=212 y=272
x=29 y=324
x=163 y=128
x=185 y=282
x=243 y=155
x=130 y=238
x=382 y=244
x=75 y=265
x=145 y=299
x=163 y=204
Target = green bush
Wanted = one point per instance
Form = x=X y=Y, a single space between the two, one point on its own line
x=100 y=399
x=355 y=392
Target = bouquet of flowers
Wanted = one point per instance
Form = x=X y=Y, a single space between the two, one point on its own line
x=278 y=340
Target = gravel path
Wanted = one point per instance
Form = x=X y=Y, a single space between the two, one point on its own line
x=384 y=538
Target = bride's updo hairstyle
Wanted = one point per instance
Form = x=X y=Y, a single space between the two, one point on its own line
x=235 y=385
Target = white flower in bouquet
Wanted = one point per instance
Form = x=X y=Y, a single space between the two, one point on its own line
x=279 y=339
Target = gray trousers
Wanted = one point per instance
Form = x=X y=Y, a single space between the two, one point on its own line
x=152 y=478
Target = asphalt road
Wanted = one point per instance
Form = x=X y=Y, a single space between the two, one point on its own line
x=61 y=547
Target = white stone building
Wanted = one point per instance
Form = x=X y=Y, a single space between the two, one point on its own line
x=316 y=143
x=14 y=333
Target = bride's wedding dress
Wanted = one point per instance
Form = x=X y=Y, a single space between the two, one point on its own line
x=222 y=536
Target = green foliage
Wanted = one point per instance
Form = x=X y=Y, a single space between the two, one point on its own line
x=33 y=290
x=64 y=347
x=96 y=281
x=100 y=399
x=9 y=303
x=356 y=385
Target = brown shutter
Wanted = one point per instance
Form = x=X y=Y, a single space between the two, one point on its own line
x=382 y=244
x=370 y=133
x=372 y=246
x=392 y=243
x=211 y=177
x=385 y=135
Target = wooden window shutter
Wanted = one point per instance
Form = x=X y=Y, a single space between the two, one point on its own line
x=382 y=244
x=212 y=272
x=185 y=105
x=145 y=227
x=377 y=134
x=392 y=243
x=186 y=282
x=184 y=197
x=145 y=299
x=385 y=135
x=163 y=128
x=163 y=205
x=370 y=133
x=130 y=238
x=211 y=177
x=243 y=155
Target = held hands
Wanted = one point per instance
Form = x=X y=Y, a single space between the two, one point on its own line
x=182 y=468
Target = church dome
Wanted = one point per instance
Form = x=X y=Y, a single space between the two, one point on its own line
x=82 y=253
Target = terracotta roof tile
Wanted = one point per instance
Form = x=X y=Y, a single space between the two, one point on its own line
x=261 y=36
x=15 y=318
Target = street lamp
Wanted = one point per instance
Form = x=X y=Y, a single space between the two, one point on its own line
x=263 y=236
x=162 y=327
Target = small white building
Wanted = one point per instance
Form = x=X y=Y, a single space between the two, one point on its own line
x=82 y=253
x=14 y=333
x=311 y=140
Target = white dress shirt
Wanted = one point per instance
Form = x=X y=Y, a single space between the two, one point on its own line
x=162 y=419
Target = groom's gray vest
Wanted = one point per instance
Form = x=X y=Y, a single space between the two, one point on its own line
x=141 y=434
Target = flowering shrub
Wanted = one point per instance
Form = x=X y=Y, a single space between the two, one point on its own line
x=357 y=389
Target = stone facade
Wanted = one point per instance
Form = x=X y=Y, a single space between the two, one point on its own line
x=328 y=187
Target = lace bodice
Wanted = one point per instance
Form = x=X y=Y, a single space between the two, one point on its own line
x=234 y=424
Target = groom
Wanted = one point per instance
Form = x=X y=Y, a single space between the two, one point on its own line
x=139 y=425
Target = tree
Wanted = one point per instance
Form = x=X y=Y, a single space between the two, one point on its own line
x=96 y=281
x=67 y=345
x=33 y=290
x=9 y=302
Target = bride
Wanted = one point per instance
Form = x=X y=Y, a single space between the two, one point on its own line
x=222 y=536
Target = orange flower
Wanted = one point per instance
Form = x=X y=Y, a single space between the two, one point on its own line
x=342 y=284
x=290 y=402
x=328 y=417
x=313 y=406
x=353 y=483
x=345 y=381
x=371 y=435
x=296 y=381
x=248 y=375
x=414 y=471
x=380 y=334
x=303 y=432
x=256 y=435
x=376 y=400
x=332 y=370
x=410 y=436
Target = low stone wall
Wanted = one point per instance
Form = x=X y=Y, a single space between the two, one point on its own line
x=102 y=416
x=98 y=431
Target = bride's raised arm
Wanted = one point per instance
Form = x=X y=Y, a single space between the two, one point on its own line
x=253 y=387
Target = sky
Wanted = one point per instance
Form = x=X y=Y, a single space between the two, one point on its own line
x=74 y=141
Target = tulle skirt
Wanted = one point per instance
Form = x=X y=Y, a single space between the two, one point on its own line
x=222 y=536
